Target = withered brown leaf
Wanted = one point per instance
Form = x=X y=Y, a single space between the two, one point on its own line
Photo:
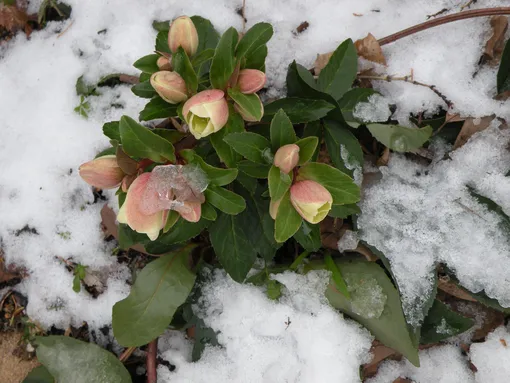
x=495 y=45
x=369 y=49
x=471 y=126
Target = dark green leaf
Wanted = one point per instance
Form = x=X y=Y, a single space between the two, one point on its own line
x=274 y=289
x=442 y=323
x=254 y=38
x=209 y=212
x=307 y=148
x=111 y=130
x=298 y=109
x=309 y=236
x=147 y=64
x=128 y=237
x=182 y=65
x=144 y=90
x=336 y=276
x=226 y=154
x=288 y=220
x=349 y=101
x=340 y=185
x=83 y=89
x=223 y=62
x=224 y=200
x=39 y=374
x=337 y=76
x=256 y=59
x=181 y=232
x=138 y=141
x=253 y=169
x=249 y=103
x=300 y=82
x=217 y=176
x=278 y=183
x=282 y=131
x=76 y=284
x=71 y=360
x=207 y=36
x=160 y=288
x=253 y=146
x=157 y=108
x=343 y=147
x=344 y=211
x=161 y=26
x=503 y=77
x=249 y=183
x=232 y=246
x=202 y=57
x=170 y=135
x=400 y=138
x=162 y=42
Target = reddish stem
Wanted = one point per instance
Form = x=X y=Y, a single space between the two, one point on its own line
x=152 y=352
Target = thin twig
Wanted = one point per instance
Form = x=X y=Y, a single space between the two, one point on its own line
x=152 y=352
x=410 y=80
x=244 y=16
x=444 y=20
x=126 y=354
x=468 y=4
x=65 y=30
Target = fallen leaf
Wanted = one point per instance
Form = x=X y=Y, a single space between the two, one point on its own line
x=302 y=27
x=470 y=127
x=384 y=159
x=369 y=49
x=332 y=230
x=495 y=45
x=379 y=353
x=12 y=18
x=445 y=284
x=321 y=61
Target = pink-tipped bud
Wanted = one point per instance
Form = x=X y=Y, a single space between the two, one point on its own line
x=190 y=211
x=311 y=200
x=170 y=86
x=251 y=115
x=206 y=112
x=164 y=63
x=287 y=157
x=103 y=172
x=273 y=208
x=251 y=80
x=183 y=34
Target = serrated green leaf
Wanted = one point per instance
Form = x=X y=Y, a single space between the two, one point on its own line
x=224 y=200
x=39 y=374
x=217 y=176
x=340 y=185
x=59 y=354
x=223 y=62
x=226 y=154
x=160 y=288
x=144 y=90
x=288 y=221
x=400 y=138
x=442 y=323
x=253 y=146
x=337 y=76
x=349 y=101
x=111 y=130
x=254 y=169
x=182 y=231
x=254 y=38
x=157 y=108
x=278 y=182
x=249 y=104
x=298 y=109
x=343 y=147
x=182 y=65
x=282 y=132
x=309 y=236
x=232 y=246
x=503 y=77
x=138 y=141
x=147 y=64
x=307 y=148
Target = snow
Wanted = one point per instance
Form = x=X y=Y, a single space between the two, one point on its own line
x=489 y=356
x=296 y=339
x=375 y=110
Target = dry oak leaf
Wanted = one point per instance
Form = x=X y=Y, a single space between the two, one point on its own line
x=379 y=352
x=320 y=62
x=12 y=18
x=495 y=45
x=369 y=49
x=470 y=127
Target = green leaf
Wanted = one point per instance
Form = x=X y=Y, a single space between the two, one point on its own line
x=493 y=207
x=442 y=323
x=147 y=64
x=76 y=284
x=278 y=182
x=71 y=360
x=111 y=130
x=224 y=200
x=255 y=59
x=223 y=62
x=39 y=374
x=309 y=236
x=171 y=220
x=400 y=138
x=375 y=303
x=162 y=42
x=138 y=141
x=170 y=135
x=343 y=147
x=247 y=182
x=254 y=169
x=161 y=26
x=337 y=76
x=202 y=57
x=300 y=82
x=288 y=221
x=217 y=176
x=336 y=276
x=503 y=77
x=307 y=147
x=83 y=89
x=181 y=232
x=182 y=65
x=232 y=246
x=253 y=146
x=128 y=237
x=349 y=101
x=254 y=38
x=157 y=108
x=249 y=103
x=226 y=154
x=144 y=90
x=344 y=211
x=160 y=288
x=208 y=37
x=282 y=131
x=209 y=212
x=340 y=185
x=298 y=109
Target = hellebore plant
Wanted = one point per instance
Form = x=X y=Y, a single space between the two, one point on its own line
x=212 y=176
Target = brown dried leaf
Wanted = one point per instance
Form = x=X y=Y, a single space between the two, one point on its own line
x=302 y=27
x=126 y=163
x=12 y=18
x=6 y=274
x=445 y=284
x=332 y=230
x=470 y=127
x=320 y=62
x=385 y=158
x=495 y=45
x=379 y=353
x=369 y=49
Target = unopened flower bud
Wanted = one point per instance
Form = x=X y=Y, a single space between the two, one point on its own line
x=170 y=86
x=183 y=34
x=273 y=208
x=103 y=172
x=251 y=80
x=311 y=200
x=251 y=115
x=206 y=112
x=287 y=157
x=164 y=63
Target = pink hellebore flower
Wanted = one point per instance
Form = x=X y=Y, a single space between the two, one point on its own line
x=102 y=172
x=206 y=112
x=311 y=200
x=190 y=211
x=251 y=80
x=183 y=34
x=286 y=157
x=170 y=86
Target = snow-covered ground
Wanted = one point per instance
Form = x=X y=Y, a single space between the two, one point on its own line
x=46 y=210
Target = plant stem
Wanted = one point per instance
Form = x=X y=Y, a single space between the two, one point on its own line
x=444 y=20
x=152 y=352
x=126 y=354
